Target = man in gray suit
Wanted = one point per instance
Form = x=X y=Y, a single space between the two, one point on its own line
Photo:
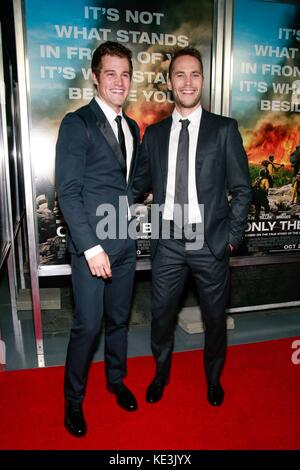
x=194 y=158
x=95 y=165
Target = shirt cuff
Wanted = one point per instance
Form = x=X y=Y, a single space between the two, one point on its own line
x=91 y=252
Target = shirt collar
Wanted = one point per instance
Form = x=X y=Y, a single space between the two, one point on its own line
x=110 y=114
x=194 y=117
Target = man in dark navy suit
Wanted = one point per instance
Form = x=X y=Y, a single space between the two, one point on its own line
x=195 y=159
x=95 y=165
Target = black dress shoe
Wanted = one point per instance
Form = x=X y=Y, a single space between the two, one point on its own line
x=155 y=390
x=215 y=394
x=74 y=420
x=124 y=396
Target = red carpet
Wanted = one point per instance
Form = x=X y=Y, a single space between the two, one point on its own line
x=261 y=408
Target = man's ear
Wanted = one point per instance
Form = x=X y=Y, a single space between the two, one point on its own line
x=95 y=80
x=169 y=85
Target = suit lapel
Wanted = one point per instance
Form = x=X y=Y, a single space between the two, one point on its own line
x=165 y=131
x=135 y=144
x=107 y=132
x=206 y=140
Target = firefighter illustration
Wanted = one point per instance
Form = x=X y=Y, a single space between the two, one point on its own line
x=295 y=160
x=272 y=166
x=296 y=190
x=260 y=189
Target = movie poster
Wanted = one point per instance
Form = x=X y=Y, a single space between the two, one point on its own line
x=266 y=102
x=61 y=36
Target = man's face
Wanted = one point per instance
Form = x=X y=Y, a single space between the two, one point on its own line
x=113 y=81
x=186 y=83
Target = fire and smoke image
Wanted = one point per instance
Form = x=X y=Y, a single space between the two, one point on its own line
x=266 y=103
x=273 y=149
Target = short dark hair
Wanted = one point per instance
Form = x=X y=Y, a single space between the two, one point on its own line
x=110 y=48
x=192 y=51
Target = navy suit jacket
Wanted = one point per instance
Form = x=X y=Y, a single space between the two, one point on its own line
x=221 y=168
x=89 y=172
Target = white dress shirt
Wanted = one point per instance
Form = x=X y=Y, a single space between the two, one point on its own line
x=194 y=214
x=111 y=115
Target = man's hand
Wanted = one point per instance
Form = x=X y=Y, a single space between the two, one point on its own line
x=100 y=266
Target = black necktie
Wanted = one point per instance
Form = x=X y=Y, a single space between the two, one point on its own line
x=121 y=139
x=182 y=167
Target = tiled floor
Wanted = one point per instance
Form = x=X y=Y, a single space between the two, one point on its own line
x=21 y=349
